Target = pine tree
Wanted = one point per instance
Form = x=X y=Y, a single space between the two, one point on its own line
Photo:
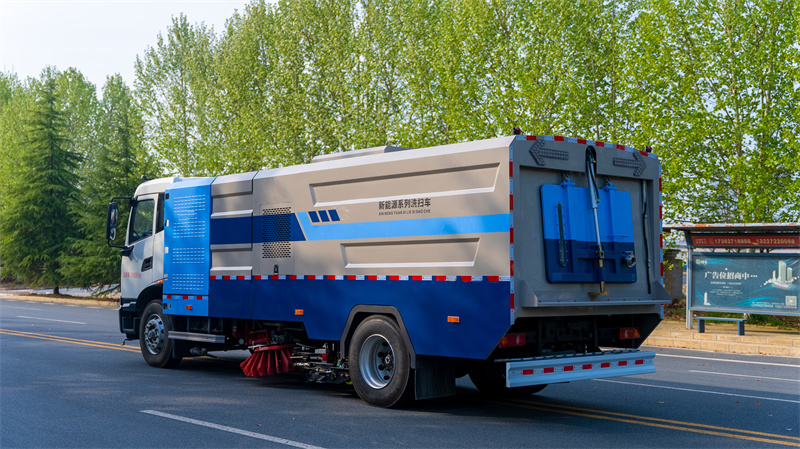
x=36 y=224
x=114 y=171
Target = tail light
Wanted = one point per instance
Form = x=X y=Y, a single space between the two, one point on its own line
x=629 y=333
x=511 y=340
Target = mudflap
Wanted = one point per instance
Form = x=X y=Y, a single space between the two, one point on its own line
x=434 y=377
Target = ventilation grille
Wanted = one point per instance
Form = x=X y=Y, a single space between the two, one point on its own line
x=277 y=233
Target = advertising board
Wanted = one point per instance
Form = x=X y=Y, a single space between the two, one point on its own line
x=767 y=284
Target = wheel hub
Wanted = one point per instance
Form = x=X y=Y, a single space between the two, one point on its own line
x=376 y=361
x=154 y=334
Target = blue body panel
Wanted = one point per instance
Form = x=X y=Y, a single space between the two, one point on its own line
x=482 y=307
x=227 y=231
x=420 y=227
x=230 y=298
x=569 y=235
x=314 y=226
x=187 y=258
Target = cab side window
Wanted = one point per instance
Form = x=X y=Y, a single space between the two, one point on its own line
x=160 y=214
x=142 y=224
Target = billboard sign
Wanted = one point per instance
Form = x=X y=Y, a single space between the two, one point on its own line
x=766 y=284
x=745 y=241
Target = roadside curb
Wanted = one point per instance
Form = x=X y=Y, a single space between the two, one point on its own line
x=720 y=337
x=76 y=301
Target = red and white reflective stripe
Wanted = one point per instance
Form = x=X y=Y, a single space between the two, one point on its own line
x=362 y=277
x=511 y=232
x=584 y=367
x=660 y=230
x=185 y=297
x=366 y=277
x=595 y=143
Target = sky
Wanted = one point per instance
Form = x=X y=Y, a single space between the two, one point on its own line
x=99 y=38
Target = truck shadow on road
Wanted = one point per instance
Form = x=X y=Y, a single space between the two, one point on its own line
x=468 y=401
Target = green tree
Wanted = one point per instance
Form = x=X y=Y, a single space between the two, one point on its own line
x=175 y=86
x=36 y=224
x=118 y=161
x=254 y=103
x=718 y=94
x=76 y=97
x=14 y=103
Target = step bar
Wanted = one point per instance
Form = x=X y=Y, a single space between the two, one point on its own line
x=202 y=338
x=549 y=370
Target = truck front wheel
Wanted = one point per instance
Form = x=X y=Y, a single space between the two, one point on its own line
x=155 y=345
x=380 y=364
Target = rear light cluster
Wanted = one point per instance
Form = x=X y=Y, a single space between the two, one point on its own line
x=629 y=333
x=512 y=340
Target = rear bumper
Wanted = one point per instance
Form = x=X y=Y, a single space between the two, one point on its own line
x=548 y=370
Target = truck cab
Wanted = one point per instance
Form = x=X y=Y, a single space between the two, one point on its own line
x=142 y=265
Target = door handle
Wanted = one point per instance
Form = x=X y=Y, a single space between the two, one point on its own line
x=147 y=264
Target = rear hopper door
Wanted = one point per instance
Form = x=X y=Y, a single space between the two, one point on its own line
x=570 y=240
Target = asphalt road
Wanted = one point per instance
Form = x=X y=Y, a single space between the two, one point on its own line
x=66 y=381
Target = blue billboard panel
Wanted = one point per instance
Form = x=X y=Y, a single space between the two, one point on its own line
x=766 y=284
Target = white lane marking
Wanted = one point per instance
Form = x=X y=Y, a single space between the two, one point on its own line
x=727 y=360
x=17 y=307
x=743 y=375
x=698 y=391
x=233 y=430
x=48 y=319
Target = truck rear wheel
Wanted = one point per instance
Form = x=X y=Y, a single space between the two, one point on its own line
x=380 y=364
x=491 y=381
x=153 y=341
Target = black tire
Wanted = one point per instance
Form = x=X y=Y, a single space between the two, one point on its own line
x=380 y=364
x=491 y=381
x=156 y=347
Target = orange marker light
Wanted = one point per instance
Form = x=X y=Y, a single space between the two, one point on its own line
x=188 y=307
x=452 y=319
x=298 y=312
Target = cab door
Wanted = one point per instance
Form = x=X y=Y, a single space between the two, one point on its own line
x=138 y=266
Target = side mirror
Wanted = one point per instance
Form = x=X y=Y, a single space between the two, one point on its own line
x=112 y=220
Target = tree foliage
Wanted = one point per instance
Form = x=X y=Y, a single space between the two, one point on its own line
x=175 y=88
x=720 y=81
x=712 y=85
x=36 y=223
x=117 y=162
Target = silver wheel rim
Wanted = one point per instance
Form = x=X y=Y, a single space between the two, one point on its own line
x=376 y=361
x=154 y=334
